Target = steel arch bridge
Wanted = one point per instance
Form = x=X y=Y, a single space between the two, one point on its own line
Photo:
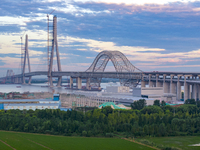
x=119 y=61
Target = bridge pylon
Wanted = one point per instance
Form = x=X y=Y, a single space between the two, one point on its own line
x=26 y=56
x=54 y=44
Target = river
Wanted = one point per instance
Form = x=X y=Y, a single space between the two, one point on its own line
x=40 y=87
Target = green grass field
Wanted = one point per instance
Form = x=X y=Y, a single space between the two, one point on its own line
x=26 y=141
x=183 y=142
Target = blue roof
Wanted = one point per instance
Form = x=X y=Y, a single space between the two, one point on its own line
x=22 y=100
x=34 y=104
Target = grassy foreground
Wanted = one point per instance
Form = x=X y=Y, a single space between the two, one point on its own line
x=183 y=142
x=22 y=141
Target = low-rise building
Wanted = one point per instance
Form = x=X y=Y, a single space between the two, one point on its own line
x=30 y=104
x=117 y=89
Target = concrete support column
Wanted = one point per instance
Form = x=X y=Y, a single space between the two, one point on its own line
x=194 y=91
x=71 y=82
x=23 y=80
x=165 y=85
x=79 y=80
x=29 y=81
x=150 y=82
x=142 y=83
x=59 y=81
x=158 y=84
x=189 y=91
x=172 y=85
x=16 y=80
x=185 y=89
x=88 y=87
x=198 y=91
x=173 y=88
x=178 y=89
x=154 y=84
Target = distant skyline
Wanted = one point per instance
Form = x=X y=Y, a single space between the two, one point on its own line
x=154 y=35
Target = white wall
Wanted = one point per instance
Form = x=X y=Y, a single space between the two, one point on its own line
x=152 y=91
x=117 y=89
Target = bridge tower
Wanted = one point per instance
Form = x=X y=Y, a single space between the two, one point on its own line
x=26 y=55
x=54 y=44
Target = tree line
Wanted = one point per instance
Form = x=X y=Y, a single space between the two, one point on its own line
x=156 y=120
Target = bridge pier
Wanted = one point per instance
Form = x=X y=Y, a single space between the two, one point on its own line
x=16 y=80
x=59 y=81
x=23 y=80
x=178 y=89
x=166 y=87
x=88 y=86
x=29 y=81
x=71 y=82
x=194 y=91
x=173 y=88
x=143 y=83
x=189 y=91
x=150 y=82
x=158 y=84
x=198 y=91
x=79 y=83
x=185 y=89
x=172 y=85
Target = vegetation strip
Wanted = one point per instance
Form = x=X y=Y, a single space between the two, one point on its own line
x=7 y=145
x=140 y=143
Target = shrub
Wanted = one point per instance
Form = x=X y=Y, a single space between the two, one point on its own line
x=84 y=133
x=109 y=134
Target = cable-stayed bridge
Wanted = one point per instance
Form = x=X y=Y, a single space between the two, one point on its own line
x=128 y=74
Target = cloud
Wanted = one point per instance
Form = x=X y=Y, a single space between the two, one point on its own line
x=81 y=49
x=90 y=57
x=157 y=55
x=161 y=33
x=141 y=2
x=176 y=8
x=9 y=46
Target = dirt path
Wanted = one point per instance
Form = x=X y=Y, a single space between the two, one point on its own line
x=7 y=144
x=40 y=144
x=36 y=143
x=140 y=143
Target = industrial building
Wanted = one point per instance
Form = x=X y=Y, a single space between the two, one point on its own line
x=31 y=104
x=117 y=89
x=117 y=96
x=157 y=93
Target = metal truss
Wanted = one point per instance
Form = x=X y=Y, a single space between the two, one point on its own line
x=120 y=62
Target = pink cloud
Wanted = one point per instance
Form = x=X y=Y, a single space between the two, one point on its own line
x=174 y=8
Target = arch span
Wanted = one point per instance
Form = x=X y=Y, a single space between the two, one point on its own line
x=119 y=60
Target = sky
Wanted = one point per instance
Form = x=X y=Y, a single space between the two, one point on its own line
x=155 y=35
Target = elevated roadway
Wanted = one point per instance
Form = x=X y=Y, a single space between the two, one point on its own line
x=121 y=75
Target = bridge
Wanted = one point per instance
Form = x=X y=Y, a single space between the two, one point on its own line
x=127 y=73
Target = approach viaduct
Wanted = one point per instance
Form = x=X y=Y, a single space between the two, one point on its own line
x=170 y=81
